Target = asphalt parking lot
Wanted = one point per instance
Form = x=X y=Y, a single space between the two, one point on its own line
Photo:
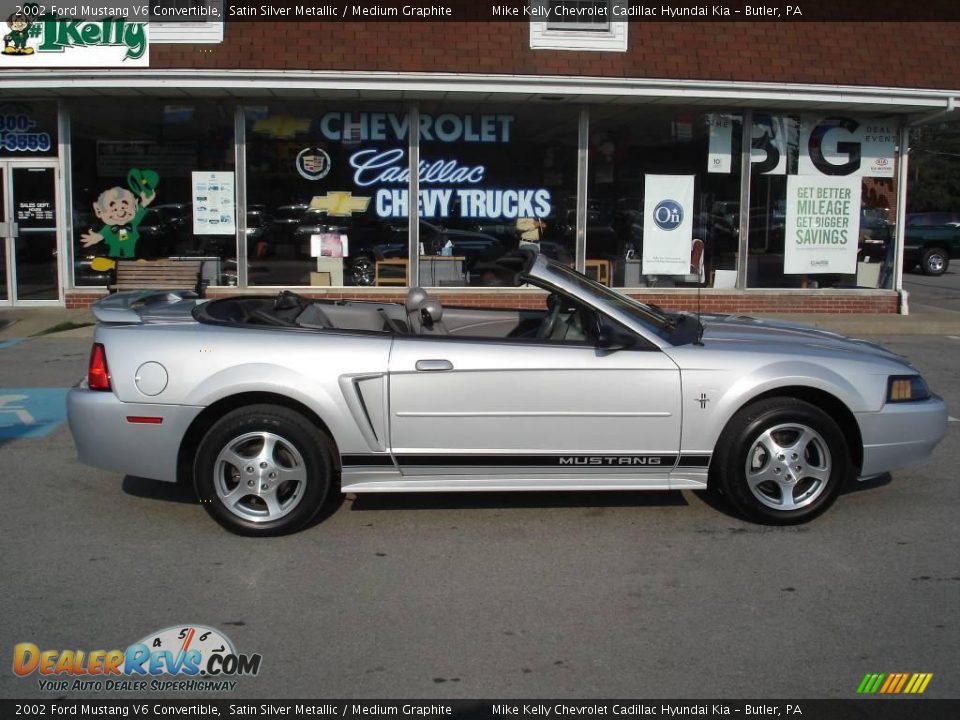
x=942 y=292
x=581 y=595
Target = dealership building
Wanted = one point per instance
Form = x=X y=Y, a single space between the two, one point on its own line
x=762 y=165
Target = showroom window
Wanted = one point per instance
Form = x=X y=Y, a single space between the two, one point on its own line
x=663 y=196
x=28 y=129
x=494 y=178
x=153 y=180
x=822 y=201
x=326 y=193
x=330 y=184
x=579 y=25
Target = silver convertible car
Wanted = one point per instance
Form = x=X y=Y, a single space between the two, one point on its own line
x=267 y=404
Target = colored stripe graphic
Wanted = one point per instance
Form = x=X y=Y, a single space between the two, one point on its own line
x=870 y=683
x=894 y=683
x=918 y=683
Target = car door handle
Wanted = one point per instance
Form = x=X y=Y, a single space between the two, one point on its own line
x=434 y=365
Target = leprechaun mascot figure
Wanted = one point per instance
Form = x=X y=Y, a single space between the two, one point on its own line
x=122 y=210
x=15 y=41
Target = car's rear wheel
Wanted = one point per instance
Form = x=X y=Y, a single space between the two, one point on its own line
x=935 y=261
x=782 y=461
x=263 y=470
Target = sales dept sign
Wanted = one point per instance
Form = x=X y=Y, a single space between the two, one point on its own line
x=33 y=37
x=822 y=224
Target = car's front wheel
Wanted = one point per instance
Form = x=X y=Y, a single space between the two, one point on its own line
x=935 y=261
x=263 y=470
x=782 y=461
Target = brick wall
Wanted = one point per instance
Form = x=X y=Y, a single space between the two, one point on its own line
x=914 y=55
x=757 y=301
x=74 y=300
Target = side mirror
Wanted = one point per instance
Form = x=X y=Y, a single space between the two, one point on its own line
x=611 y=337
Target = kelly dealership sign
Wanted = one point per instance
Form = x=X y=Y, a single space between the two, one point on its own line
x=34 y=38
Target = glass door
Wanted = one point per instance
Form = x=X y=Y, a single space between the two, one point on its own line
x=4 y=240
x=30 y=229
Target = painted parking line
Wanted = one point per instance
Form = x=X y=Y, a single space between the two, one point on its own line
x=31 y=412
x=10 y=343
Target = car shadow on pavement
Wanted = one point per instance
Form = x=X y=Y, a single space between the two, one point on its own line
x=159 y=490
x=872 y=483
x=517 y=500
x=330 y=506
x=183 y=492
x=718 y=502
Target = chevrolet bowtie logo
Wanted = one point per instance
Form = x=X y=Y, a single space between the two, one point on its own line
x=340 y=203
x=282 y=126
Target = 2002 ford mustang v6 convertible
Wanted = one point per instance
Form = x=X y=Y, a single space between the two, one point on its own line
x=268 y=403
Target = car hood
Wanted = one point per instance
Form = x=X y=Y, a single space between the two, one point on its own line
x=721 y=330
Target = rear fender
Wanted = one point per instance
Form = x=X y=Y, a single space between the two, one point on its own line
x=251 y=378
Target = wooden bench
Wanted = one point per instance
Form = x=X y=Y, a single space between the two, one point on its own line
x=380 y=278
x=158 y=275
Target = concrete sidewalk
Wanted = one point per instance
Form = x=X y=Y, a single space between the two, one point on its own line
x=27 y=322
x=922 y=320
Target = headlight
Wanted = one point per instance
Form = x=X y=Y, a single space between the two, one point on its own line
x=907 y=388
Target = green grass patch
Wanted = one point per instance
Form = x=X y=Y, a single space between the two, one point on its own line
x=62 y=327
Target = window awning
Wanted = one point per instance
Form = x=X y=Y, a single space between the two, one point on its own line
x=180 y=83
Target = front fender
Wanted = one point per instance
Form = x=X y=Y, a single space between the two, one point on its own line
x=702 y=426
x=791 y=373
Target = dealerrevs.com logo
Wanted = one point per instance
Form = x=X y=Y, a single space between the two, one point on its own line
x=197 y=657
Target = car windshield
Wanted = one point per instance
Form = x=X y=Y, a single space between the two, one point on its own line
x=651 y=316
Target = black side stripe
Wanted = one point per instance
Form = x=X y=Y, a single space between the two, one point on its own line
x=596 y=460
x=376 y=460
x=694 y=461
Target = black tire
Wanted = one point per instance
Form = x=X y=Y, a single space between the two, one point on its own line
x=261 y=461
x=361 y=271
x=764 y=479
x=935 y=261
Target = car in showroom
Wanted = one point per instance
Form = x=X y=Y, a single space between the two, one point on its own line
x=267 y=404
x=370 y=239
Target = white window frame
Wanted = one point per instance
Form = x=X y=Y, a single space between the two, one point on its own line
x=613 y=39
x=200 y=32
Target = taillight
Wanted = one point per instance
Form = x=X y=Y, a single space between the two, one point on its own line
x=98 y=376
